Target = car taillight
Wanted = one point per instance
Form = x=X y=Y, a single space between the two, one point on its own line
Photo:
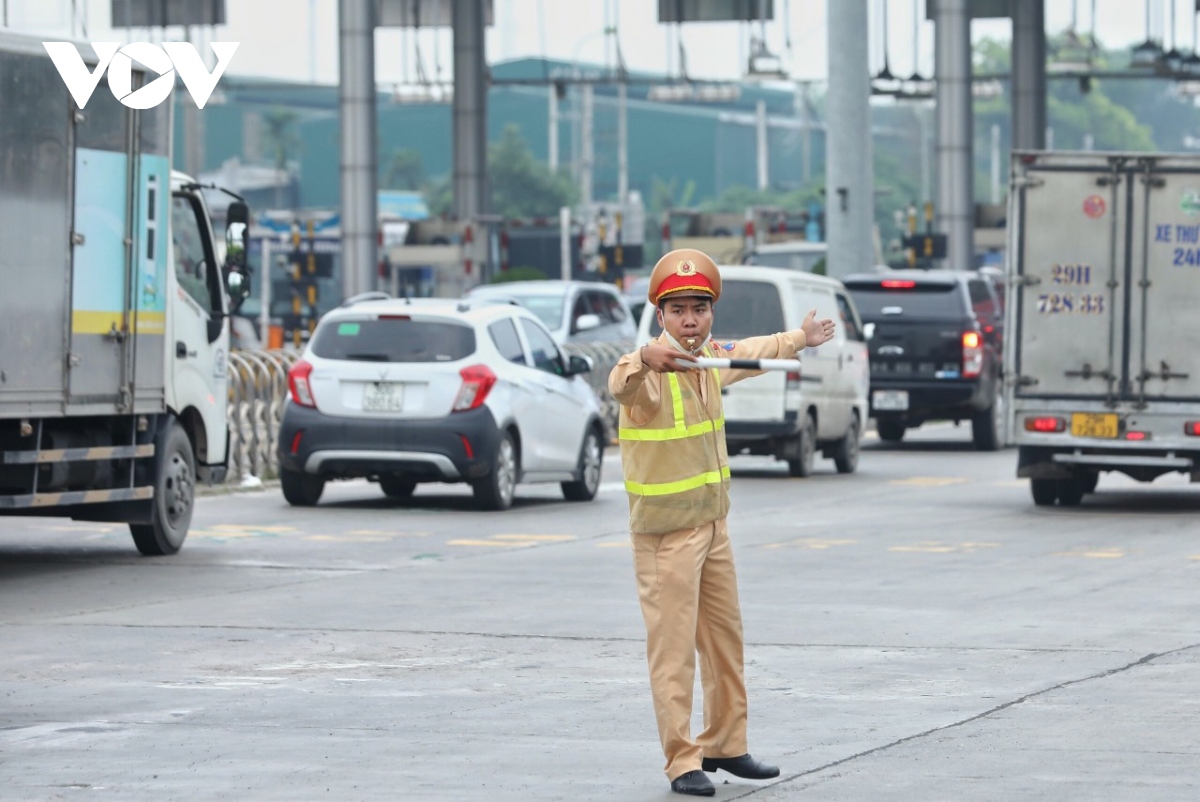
x=972 y=356
x=1192 y=428
x=298 y=384
x=477 y=382
x=793 y=380
x=1046 y=425
x=897 y=284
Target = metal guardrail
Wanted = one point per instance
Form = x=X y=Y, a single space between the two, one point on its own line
x=258 y=389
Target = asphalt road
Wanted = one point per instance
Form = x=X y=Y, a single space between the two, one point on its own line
x=915 y=631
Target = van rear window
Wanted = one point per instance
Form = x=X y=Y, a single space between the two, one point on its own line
x=937 y=301
x=394 y=340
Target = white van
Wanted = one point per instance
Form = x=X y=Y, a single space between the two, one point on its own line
x=791 y=415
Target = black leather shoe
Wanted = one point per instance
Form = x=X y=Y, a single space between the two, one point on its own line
x=745 y=767
x=693 y=783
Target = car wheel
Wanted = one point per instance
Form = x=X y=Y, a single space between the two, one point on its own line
x=890 y=430
x=845 y=455
x=807 y=443
x=1071 y=491
x=301 y=489
x=590 y=457
x=174 y=498
x=495 y=491
x=986 y=424
x=395 y=486
x=1045 y=491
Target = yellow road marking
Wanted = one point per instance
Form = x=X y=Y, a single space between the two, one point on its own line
x=928 y=481
x=1111 y=553
x=551 y=538
x=502 y=543
x=937 y=547
x=383 y=533
x=811 y=543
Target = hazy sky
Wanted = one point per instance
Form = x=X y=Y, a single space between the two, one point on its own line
x=275 y=35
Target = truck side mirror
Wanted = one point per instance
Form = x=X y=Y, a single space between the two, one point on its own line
x=237 y=240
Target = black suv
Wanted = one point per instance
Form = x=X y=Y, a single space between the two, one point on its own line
x=935 y=351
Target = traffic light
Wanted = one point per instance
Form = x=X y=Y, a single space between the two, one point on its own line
x=926 y=246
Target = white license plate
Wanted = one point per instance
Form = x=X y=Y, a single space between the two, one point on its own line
x=383 y=397
x=890 y=400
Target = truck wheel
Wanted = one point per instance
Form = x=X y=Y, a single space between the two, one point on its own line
x=802 y=465
x=495 y=491
x=1090 y=480
x=301 y=489
x=1045 y=491
x=845 y=455
x=590 y=457
x=396 y=486
x=1071 y=491
x=890 y=430
x=985 y=426
x=174 y=497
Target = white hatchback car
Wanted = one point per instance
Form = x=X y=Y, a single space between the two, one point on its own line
x=439 y=390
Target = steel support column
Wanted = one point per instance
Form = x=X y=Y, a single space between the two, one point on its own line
x=470 y=110
x=952 y=68
x=850 y=189
x=359 y=156
x=1029 y=75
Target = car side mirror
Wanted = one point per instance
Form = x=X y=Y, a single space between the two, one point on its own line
x=577 y=364
x=868 y=331
x=587 y=322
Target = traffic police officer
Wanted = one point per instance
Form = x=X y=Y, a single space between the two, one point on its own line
x=676 y=471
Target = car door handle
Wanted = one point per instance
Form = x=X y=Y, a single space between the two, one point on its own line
x=181 y=350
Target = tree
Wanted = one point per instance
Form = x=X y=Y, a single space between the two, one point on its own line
x=522 y=186
x=405 y=170
x=282 y=141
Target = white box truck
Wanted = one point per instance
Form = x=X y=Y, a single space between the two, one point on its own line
x=114 y=333
x=1101 y=367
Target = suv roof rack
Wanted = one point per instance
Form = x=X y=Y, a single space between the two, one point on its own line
x=374 y=295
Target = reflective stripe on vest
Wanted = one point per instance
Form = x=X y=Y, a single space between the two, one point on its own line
x=667 y=488
x=680 y=430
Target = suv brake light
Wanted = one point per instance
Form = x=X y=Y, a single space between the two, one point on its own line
x=298 y=384
x=477 y=383
x=897 y=284
x=972 y=354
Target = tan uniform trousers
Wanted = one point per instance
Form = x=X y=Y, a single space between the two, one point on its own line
x=688 y=590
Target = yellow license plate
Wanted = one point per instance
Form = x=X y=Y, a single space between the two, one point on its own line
x=1093 y=424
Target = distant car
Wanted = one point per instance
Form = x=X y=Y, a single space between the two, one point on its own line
x=935 y=350
x=573 y=311
x=405 y=392
x=799 y=255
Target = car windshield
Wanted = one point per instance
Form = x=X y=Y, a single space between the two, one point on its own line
x=548 y=308
x=931 y=301
x=745 y=309
x=394 y=340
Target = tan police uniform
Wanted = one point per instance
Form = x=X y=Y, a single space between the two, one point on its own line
x=676 y=471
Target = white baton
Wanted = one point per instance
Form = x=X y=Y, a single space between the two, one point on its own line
x=742 y=364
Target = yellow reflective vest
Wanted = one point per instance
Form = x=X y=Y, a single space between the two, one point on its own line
x=672 y=435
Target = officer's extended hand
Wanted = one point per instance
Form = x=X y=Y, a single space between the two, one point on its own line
x=816 y=331
x=662 y=358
